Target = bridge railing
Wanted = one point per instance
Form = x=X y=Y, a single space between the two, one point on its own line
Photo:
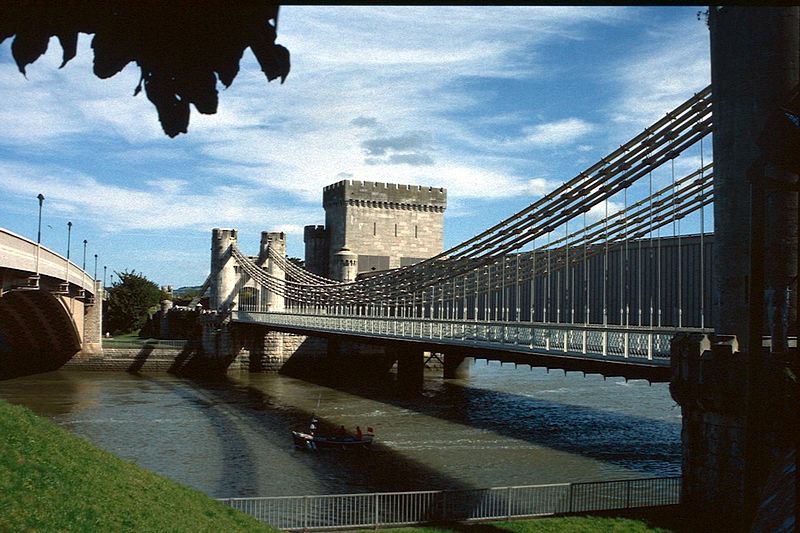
x=350 y=511
x=19 y=253
x=626 y=343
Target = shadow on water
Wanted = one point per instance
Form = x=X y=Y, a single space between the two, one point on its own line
x=233 y=407
x=235 y=448
x=634 y=442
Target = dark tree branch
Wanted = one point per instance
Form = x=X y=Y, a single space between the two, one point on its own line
x=182 y=47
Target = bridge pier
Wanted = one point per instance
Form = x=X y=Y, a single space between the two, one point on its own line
x=410 y=366
x=456 y=366
x=92 y=342
x=729 y=436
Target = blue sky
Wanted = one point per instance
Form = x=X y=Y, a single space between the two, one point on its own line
x=498 y=104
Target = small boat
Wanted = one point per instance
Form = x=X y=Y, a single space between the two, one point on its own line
x=311 y=441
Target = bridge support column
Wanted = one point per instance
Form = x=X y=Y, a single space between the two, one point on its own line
x=222 y=291
x=410 y=367
x=708 y=382
x=93 y=323
x=755 y=54
x=456 y=366
x=267 y=352
x=276 y=242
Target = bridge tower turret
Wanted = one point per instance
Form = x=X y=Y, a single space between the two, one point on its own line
x=276 y=242
x=222 y=291
x=346 y=263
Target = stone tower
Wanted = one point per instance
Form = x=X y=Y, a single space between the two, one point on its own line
x=277 y=242
x=316 y=241
x=223 y=291
x=346 y=265
x=386 y=225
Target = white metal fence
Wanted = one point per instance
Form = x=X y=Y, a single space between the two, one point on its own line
x=352 y=511
x=632 y=344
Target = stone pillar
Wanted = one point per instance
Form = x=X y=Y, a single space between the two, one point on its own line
x=267 y=352
x=93 y=322
x=755 y=55
x=276 y=242
x=708 y=381
x=346 y=263
x=754 y=65
x=222 y=290
x=410 y=367
x=163 y=326
x=456 y=366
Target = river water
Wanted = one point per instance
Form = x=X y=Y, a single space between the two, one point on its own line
x=502 y=426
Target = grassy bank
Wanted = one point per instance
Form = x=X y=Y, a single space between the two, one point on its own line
x=51 y=480
x=566 y=524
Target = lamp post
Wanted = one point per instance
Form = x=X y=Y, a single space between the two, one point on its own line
x=83 y=266
x=104 y=277
x=40 y=197
x=69 y=237
x=95 y=267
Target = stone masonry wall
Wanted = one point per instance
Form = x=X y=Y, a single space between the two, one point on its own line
x=384 y=219
x=93 y=324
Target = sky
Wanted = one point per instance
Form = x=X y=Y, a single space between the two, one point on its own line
x=500 y=105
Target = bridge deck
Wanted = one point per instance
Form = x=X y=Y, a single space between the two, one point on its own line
x=612 y=350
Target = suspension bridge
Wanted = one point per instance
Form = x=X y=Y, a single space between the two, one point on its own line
x=601 y=273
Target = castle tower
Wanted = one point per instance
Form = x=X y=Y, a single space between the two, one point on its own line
x=385 y=225
x=316 y=241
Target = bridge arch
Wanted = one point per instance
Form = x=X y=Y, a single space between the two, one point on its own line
x=37 y=332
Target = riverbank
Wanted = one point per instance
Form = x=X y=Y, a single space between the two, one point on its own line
x=51 y=480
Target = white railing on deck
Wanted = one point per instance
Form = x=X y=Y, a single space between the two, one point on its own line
x=624 y=343
x=351 y=511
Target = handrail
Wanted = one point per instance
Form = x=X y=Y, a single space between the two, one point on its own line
x=351 y=511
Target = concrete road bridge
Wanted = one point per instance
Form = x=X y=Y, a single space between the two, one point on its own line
x=50 y=309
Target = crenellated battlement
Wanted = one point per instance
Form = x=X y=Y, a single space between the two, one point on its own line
x=385 y=195
x=317 y=231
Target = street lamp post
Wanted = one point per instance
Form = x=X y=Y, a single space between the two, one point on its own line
x=40 y=197
x=69 y=238
x=104 y=277
x=83 y=266
x=95 y=267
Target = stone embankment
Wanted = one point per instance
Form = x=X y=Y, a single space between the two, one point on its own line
x=144 y=358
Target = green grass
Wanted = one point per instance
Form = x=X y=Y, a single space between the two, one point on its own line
x=51 y=480
x=568 y=524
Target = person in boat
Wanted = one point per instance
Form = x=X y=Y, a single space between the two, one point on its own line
x=359 y=434
x=341 y=432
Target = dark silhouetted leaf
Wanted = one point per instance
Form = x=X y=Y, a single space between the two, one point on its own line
x=173 y=112
x=201 y=90
x=273 y=58
x=69 y=44
x=27 y=48
x=181 y=48
x=110 y=55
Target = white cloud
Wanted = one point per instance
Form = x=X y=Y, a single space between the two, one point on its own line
x=161 y=204
x=558 y=133
x=672 y=66
x=540 y=186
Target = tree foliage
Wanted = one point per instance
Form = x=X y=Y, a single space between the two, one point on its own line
x=182 y=47
x=129 y=301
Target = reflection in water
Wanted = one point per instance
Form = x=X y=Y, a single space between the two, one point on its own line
x=503 y=426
